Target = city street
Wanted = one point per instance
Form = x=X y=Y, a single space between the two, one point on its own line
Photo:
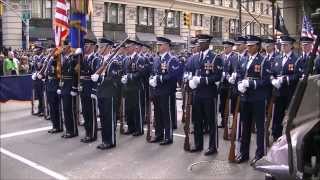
x=29 y=152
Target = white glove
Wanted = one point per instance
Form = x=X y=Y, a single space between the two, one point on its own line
x=153 y=81
x=196 y=79
x=192 y=84
x=124 y=79
x=231 y=80
x=78 y=51
x=275 y=83
x=72 y=93
x=234 y=75
x=58 y=91
x=245 y=83
x=223 y=75
x=34 y=76
x=185 y=76
x=280 y=80
x=94 y=77
x=93 y=96
x=39 y=76
x=241 y=88
x=190 y=76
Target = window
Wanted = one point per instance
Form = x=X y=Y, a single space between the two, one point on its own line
x=41 y=9
x=173 y=19
x=212 y=2
x=197 y=19
x=268 y=7
x=216 y=24
x=261 y=8
x=219 y=2
x=200 y=0
x=145 y=16
x=253 y=6
x=233 y=26
x=231 y=4
x=114 y=13
x=247 y=28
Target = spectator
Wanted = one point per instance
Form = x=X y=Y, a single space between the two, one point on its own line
x=11 y=65
x=1 y=64
x=24 y=67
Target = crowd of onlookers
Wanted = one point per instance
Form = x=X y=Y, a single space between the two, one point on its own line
x=15 y=62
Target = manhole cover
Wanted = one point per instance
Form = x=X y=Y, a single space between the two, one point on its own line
x=216 y=167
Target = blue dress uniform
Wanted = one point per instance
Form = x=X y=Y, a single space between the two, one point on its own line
x=88 y=67
x=207 y=72
x=316 y=69
x=284 y=78
x=69 y=91
x=53 y=98
x=163 y=79
x=38 y=84
x=302 y=62
x=230 y=62
x=106 y=93
x=253 y=77
x=135 y=72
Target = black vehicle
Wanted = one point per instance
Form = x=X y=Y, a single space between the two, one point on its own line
x=296 y=154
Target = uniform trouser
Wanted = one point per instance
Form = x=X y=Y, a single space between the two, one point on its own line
x=118 y=103
x=89 y=115
x=162 y=108
x=204 y=108
x=281 y=104
x=39 y=93
x=223 y=99
x=173 y=109
x=107 y=107
x=252 y=112
x=54 y=104
x=70 y=121
x=134 y=111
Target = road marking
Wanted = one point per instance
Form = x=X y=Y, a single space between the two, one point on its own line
x=33 y=164
x=19 y=133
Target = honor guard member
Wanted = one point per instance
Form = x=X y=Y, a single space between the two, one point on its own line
x=284 y=78
x=252 y=77
x=207 y=72
x=162 y=80
x=302 y=62
x=230 y=62
x=241 y=47
x=134 y=73
x=52 y=84
x=37 y=80
x=316 y=69
x=69 y=92
x=269 y=45
x=88 y=67
x=106 y=93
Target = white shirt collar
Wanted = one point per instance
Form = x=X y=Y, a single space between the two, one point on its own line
x=205 y=52
x=288 y=54
x=228 y=55
x=164 y=54
x=253 y=56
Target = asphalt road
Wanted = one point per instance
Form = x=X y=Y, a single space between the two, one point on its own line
x=29 y=152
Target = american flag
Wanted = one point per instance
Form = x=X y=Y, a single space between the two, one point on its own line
x=307 y=29
x=60 y=23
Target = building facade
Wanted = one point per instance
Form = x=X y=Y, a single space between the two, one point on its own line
x=145 y=19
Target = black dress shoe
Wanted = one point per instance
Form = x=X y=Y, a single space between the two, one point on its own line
x=56 y=131
x=155 y=139
x=221 y=126
x=85 y=139
x=210 y=151
x=254 y=160
x=51 y=130
x=166 y=142
x=104 y=146
x=196 y=149
x=40 y=114
x=68 y=135
x=128 y=132
x=137 y=134
x=241 y=159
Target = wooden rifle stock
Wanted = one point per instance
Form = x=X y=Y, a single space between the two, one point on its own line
x=122 y=112
x=187 y=115
x=226 y=116
x=269 y=116
x=232 y=151
x=148 y=117
x=105 y=64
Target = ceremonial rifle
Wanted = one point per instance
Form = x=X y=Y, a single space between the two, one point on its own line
x=232 y=153
x=187 y=114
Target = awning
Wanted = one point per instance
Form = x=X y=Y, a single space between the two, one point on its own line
x=115 y=35
x=40 y=33
x=175 y=39
x=146 y=37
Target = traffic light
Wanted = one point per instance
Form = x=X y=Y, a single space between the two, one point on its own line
x=1 y=9
x=187 y=19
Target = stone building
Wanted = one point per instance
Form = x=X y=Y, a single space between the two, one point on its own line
x=145 y=19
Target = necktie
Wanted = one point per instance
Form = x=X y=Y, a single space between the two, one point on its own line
x=284 y=60
x=249 y=62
